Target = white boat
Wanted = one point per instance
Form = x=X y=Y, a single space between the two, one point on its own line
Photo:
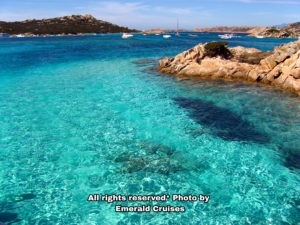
x=167 y=36
x=20 y=35
x=157 y=34
x=126 y=35
x=193 y=35
x=258 y=36
x=226 y=36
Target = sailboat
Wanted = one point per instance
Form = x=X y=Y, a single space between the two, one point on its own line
x=177 y=34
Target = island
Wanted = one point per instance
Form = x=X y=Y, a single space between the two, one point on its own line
x=280 y=68
x=74 y=24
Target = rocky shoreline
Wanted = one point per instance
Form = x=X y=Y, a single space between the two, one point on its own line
x=280 y=68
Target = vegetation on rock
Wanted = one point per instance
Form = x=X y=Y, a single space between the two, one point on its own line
x=217 y=48
x=289 y=31
x=273 y=30
x=253 y=58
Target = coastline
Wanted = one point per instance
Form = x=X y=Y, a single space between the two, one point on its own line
x=60 y=35
x=280 y=68
x=158 y=31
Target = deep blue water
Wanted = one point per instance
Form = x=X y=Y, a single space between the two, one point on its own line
x=82 y=115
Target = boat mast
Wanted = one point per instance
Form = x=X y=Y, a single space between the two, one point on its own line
x=177 y=27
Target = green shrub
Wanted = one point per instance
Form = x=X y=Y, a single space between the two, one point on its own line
x=217 y=48
x=286 y=34
x=253 y=58
x=273 y=30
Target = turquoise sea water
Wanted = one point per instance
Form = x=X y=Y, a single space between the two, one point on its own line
x=86 y=115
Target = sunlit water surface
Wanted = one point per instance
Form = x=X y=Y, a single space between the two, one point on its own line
x=84 y=115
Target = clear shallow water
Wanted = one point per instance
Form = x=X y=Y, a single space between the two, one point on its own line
x=82 y=115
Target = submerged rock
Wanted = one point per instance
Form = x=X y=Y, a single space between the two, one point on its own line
x=292 y=157
x=157 y=158
x=24 y=197
x=148 y=65
x=8 y=217
x=293 y=160
x=279 y=68
x=220 y=121
x=151 y=70
x=144 y=62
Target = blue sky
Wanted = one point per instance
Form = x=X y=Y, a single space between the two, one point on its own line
x=146 y=14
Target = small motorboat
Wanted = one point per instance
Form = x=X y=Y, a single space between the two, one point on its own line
x=193 y=35
x=20 y=35
x=259 y=36
x=226 y=36
x=157 y=34
x=126 y=35
x=167 y=36
x=145 y=34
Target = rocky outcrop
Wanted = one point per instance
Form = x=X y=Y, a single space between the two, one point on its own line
x=291 y=30
x=293 y=27
x=279 y=68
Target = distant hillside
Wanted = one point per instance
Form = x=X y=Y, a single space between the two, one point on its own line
x=293 y=27
x=165 y=30
x=225 y=29
x=291 y=30
x=73 y=24
x=287 y=31
x=157 y=31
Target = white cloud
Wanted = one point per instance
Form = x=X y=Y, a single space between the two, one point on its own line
x=118 y=7
x=178 y=11
x=12 y=16
x=142 y=16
